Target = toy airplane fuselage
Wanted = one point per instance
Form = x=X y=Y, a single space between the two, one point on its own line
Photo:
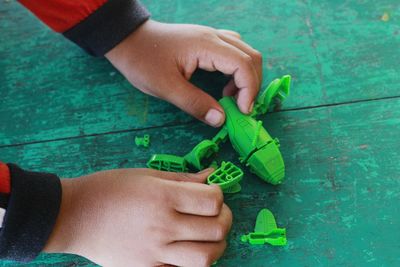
x=256 y=148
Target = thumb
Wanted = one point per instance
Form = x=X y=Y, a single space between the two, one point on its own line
x=199 y=177
x=196 y=102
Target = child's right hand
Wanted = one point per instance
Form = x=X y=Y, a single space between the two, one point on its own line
x=142 y=217
x=160 y=58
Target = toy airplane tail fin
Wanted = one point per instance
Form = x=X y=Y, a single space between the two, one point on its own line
x=278 y=90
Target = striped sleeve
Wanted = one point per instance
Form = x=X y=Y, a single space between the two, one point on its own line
x=30 y=203
x=97 y=26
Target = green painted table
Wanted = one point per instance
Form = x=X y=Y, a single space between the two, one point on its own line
x=65 y=112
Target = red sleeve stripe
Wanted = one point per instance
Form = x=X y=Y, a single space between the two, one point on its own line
x=62 y=15
x=5 y=185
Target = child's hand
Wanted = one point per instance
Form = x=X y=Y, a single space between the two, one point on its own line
x=142 y=217
x=159 y=59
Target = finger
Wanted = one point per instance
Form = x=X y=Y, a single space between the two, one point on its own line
x=196 y=102
x=197 y=199
x=254 y=54
x=229 y=32
x=194 y=254
x=200 y=228
x=233 y=61
x=230 y=88
x=199 y=177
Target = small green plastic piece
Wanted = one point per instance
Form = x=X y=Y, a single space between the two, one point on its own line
x=205 y=149
x=170 y=163
x=227 y=177
x=143 y=141
x=266 y=231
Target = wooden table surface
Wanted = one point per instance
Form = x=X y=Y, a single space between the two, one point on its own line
x=65 y=112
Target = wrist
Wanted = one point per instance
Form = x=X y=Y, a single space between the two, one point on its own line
x=130 y=43
x=62 y=238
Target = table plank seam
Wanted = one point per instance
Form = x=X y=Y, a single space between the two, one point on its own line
x=194 y=121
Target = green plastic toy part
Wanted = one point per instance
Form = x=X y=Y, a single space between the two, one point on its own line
x=143 y=141
x=256 y=148
x=266 y=231
x=204 y=150
x=227 y=177
x=221 y=136
x=275 y=92
x=168 y=163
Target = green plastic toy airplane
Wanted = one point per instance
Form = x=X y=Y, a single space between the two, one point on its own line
x=256 y=148
x=266 y=231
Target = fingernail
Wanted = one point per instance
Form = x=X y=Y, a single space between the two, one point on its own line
x=214 y=117
x=251 y=107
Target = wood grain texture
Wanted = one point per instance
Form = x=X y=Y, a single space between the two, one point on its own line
x=335 y=52
x=64 y=112
x=339 y=202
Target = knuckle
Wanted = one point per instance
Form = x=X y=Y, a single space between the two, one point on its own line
x=224 y=245
x=220 y=230
x=206 y=33
x=229 y=216
x=237 y=35
x=216 y=201
x=247 y=60
x=257 y=56
x=204 y=259
x=166 y=197
x=161 y=234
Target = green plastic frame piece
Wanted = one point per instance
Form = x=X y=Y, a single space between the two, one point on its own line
x=143 y=141
x=227 y=176
x=170 y=163
x=266 y=231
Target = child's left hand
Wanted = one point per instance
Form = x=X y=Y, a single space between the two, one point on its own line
x=160 y=58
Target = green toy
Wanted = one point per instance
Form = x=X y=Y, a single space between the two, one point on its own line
x=168 y=163
x=227 y=177
x=256 y=148
x=143 y=141
x=266 y=231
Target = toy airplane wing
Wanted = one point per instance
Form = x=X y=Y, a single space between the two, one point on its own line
x=205 y=149
x=265 y=222
x=278 y=89
x=266 y=231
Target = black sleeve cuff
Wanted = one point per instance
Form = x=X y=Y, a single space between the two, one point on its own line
x=108 y=26
x=32 y=211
